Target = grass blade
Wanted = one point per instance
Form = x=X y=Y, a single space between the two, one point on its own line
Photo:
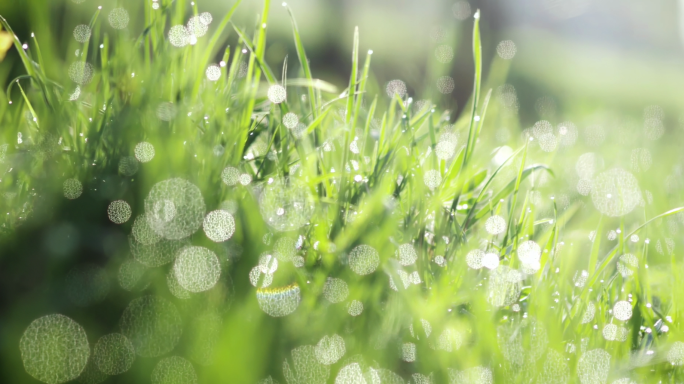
x=212 y=44
x=352 y=78
x=301 y=53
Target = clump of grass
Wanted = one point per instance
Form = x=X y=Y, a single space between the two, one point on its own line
x=237 y=227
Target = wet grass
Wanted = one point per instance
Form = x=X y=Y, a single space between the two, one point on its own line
x=371 y=167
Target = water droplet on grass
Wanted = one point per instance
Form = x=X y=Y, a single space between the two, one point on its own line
x=437 y=34
x=396 y=87
x=82 y=33
x=81 y=73
x=350 y=374
x=72 y=189
x=91 y=373
x=114 y=354
x=144 y=152
x=504 y=286
x=230 y=176
x=588 y=315
x=279 y=302
x=206 y=18
x=245 y=179
x=197 y=269
x=615 y=192
x=444 y=54
x=119 y=211
x=54 y=349
x=406 y=254
x=506 y=49
x=408 y=352
x=529 y=252
x=286 y=204
x=627 y=264
x=675 y=355
x=306 y=368
x=495 y=225
x=548 y=142
x=118 y=18
x=622 y=310
x=432 y=179
x=166 y=111
x=175 y=208
x=474 y=258
x=641 y=160
x=445 y=150
x=196 y=27
x=219 y=225
x=355 y=308
x=461 y=10
x=593 y=366
x=175 y=288
x=276 y=94
x=449 y=340
x=475 y=375
x=445 y=84
x=149 y=248
x=290 y=120
x=335 y=290
x=213 y=72
x=364 y=259
x=284 y=249
x=330 y=349
x=174 y=370
x=179 y=36
x=490 y=260
x=128 y=166
x=129 y=274
x=567 y=134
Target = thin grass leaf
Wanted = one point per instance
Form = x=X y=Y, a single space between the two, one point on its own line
x=209 y=50
x=477 y=59
x=262 y=65
x=304 y=61
x=352 y=78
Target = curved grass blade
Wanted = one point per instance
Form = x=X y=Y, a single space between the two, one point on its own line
x=352 y=78
x=511 y=187
x=301 y=53
x=477 y=58
x=262 y=65
x=212 y=43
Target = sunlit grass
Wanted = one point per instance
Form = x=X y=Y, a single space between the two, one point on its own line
x=371 y=237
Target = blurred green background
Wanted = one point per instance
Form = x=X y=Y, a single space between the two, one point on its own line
x=596 y=63
x=587 y=54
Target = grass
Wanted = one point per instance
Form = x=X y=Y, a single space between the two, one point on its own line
x=367 y=172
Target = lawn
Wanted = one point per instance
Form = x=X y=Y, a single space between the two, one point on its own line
x=177 y=208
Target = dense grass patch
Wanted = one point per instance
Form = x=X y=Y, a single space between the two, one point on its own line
x=175 y=210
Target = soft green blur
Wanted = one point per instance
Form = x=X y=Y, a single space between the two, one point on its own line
x=611 y=96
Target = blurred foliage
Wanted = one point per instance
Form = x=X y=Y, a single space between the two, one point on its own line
x=481 y=248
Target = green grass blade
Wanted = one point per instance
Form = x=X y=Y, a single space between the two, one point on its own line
x=262 y=65
x=352 y=79
x=301 y=53
x=362 y=88
x=595 y=247
x=484 y=188
x=613 y=252
x=209 y=50
x=324 y=86
x=511 y=187
x=477 y=58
